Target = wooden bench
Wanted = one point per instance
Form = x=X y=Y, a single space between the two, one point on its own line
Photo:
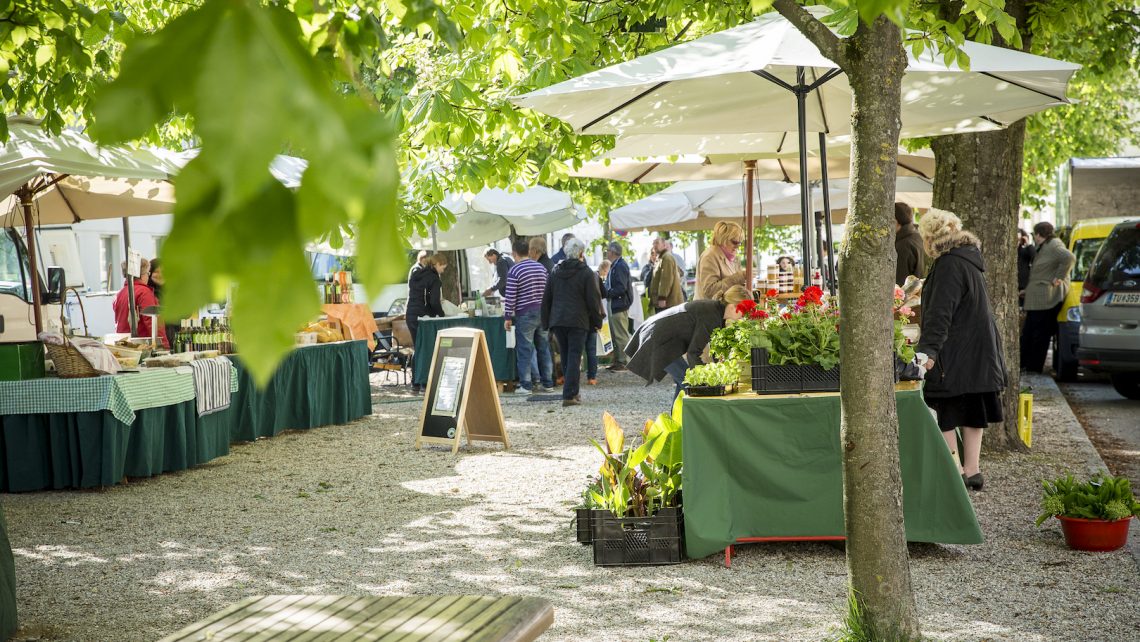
x=307 y=618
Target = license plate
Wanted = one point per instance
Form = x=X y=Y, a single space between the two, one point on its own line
x=1124 y=298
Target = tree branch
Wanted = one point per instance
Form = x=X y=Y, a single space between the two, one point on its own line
x=816 y=32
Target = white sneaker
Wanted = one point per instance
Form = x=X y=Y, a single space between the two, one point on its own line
x=521 y=391
x=547 y=389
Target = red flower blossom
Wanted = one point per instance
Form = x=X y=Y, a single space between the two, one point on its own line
x=771 y=293
x=786 y=315
x=745 y=307
x=758 y=314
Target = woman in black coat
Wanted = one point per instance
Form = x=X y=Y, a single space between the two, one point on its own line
x=965 y=369
x=673 y=340
x=425 y=292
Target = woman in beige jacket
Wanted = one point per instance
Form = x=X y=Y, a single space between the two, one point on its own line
x=1044 y=295
x=719 y=269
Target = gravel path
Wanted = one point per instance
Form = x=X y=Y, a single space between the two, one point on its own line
x=355 y=510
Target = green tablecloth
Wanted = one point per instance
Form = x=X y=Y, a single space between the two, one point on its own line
x=316 y=385
x=760 y=466
x=7 y=583
x=502 y=358
x=122 y=394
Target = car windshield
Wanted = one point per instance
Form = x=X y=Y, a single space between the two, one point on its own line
x=1085 y=251
x=12 y=274
x=1117 y=265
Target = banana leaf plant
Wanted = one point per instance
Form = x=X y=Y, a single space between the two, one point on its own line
x=639 y=481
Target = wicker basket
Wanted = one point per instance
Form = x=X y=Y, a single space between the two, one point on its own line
x=69 y=362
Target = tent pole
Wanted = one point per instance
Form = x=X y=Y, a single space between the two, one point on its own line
x=434 y=245
x=801 y=91
x=831 y=276
x=30 y=231
x=749 y=178
x=133 y=313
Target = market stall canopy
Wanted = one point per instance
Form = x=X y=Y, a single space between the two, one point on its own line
x=727 y=82
x=619 y=165
x=492 y=214
x=72 y=179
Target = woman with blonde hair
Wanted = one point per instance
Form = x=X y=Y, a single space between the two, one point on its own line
x=673 y=341
x=965 y=369
x=718 y=268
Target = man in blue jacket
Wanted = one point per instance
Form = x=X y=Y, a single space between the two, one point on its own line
x=619 y=292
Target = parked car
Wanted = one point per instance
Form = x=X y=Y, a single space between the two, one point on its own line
x=1110 y=310
x=1084 y=240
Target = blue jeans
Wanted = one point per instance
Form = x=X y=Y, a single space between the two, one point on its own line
x=572 y=341
x=528 y=340
x=592 y=355
x=677 y=370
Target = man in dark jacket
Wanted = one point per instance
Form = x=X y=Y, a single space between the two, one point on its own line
x=1026 y=252
x=560 y=255
x=908 y=245
x=619 y=292
x=503 y=264
x=571 y=307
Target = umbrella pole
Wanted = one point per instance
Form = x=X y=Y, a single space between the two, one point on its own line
x=805 y=193
x=831 y=276
x=133 y=313
x=29 y=230
x=749 y=176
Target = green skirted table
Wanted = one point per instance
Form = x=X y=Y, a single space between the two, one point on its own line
x=502 y=357
x=316 y=385
x=82 y=433
x=7 y=583
x=770 y=468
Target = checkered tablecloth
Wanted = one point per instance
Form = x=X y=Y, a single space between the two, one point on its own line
x=122 y=394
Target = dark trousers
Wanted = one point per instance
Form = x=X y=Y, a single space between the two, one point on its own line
x=572 y=341
x=1039 y=329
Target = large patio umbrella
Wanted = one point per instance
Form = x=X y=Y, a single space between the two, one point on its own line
x=494 y=214
x=766 y=76
x=47 y=179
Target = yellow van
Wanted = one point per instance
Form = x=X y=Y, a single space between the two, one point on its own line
x=1084 y=241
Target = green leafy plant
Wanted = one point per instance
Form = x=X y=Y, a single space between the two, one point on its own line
x=713 y=374
x=733 y=342
x=806 y=334
x=1101 y=497
x=639 y=481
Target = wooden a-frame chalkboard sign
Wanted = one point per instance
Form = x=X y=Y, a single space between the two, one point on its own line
x=461 y=396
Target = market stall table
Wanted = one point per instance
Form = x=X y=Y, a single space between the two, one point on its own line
x=770 y=467
x=502 y=357
x=356 y=319
x=316 y=385
x=80 y=433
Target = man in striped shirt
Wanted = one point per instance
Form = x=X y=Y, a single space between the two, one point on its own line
x=526 y=283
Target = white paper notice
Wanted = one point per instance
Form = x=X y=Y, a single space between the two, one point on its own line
x=447 y=392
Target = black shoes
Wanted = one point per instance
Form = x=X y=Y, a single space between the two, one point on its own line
x=974 y=482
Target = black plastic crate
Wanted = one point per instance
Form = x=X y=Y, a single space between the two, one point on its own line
x=772 y=379
x=705 y=391
x=584 y=523
x=639 y=541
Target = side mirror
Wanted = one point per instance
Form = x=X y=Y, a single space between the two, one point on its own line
x=56 y=283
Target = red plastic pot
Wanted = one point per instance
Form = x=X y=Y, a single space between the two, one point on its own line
x=1095 y=534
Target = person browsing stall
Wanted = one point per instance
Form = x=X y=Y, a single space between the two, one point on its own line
x=522 y=306
x=502 y=264
x=665 y=285
x=718 y=268
x=673 y=341
x=618 y=290
x=571 y=308
x=965 y=368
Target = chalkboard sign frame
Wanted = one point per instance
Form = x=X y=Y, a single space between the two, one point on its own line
x=476 y=411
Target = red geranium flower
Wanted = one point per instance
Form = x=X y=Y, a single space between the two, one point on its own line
x=745 y=307
x=786 y=315
x=771 y=293
x=758 y=314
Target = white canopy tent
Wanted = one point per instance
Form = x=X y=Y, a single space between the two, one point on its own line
x=493 y=213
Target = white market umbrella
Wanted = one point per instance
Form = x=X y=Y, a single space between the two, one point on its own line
x=64 y=179
x=765 y=75
x=493 y=213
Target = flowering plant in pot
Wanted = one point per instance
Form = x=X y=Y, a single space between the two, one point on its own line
x=904 y=348
x=734 y=342
x=1094 y=514
x=805 y=334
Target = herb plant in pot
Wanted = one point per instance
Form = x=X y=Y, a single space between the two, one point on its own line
x=1094 y=514
x=711 y=379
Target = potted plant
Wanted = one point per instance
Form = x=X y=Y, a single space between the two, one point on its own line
x=733 y=342
x=1094 y=514
x=639 y=491
x=711 y=379
x=584 y=513
x=797 y=350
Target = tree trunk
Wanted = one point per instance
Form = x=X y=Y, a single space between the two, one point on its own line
x=978 y=177
x=450 y=278
x=877 y=562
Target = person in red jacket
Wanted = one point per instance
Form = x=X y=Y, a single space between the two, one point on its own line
x=144 y=297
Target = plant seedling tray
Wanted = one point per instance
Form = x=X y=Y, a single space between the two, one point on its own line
x=773 y=379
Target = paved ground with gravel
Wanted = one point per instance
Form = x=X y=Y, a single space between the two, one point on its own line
x=355 y=510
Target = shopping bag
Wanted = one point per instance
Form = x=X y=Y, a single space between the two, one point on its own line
x=605 y=343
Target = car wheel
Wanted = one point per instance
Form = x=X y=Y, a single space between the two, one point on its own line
x=1128 y=385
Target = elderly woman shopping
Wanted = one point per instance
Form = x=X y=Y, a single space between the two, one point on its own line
x=571 y=308
x=966 y=372
x=673 y=341
x=719 y=267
